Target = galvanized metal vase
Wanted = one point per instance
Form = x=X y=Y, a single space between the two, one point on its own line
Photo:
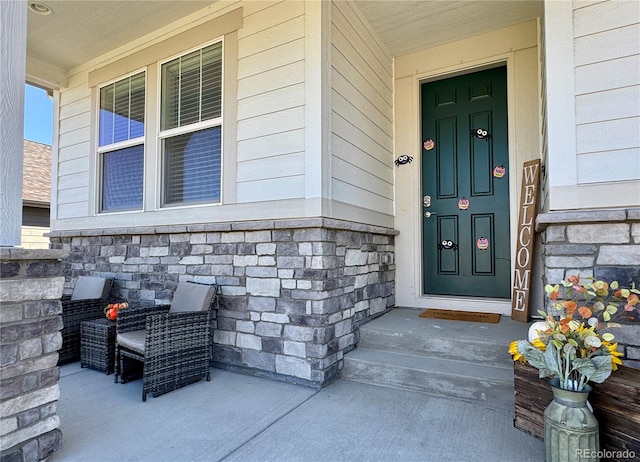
x=570 y=428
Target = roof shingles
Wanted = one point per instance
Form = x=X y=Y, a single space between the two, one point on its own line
x=36 y=174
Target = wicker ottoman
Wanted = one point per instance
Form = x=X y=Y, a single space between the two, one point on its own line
x=97 y=349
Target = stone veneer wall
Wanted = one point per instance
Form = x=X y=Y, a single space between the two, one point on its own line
x=604 y=244
x=30 y=322
x=294 y=292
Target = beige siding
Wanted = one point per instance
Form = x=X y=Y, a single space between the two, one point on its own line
x=607 y=85
x=592 y=106
x=362 y=114
x=602 y=76
x=269 y=124
x=272 y=58
x=280 y=77
x=74 y=150
x=32 y=237
x=276 y=144
x=270 y=117
x=71 y=108
x=270 y=104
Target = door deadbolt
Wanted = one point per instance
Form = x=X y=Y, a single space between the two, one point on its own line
x=426 y=201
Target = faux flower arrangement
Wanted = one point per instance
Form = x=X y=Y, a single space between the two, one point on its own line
x=569 y=346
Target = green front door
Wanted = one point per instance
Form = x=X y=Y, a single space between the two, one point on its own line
x=465 y=185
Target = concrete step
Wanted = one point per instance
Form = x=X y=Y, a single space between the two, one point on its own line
x=462 y=360
x=489 y=385
x=403 y=331
x=446 y=348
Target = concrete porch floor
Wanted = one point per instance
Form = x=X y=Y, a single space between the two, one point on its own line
x=242 y=418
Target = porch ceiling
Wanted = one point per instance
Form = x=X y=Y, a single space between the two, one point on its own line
x=80 y=30
x=405 y=26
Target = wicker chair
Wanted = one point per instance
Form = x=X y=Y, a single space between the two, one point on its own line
x=172 y=341
x=89 y=297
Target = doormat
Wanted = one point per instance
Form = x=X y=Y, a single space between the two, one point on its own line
x=452 y=315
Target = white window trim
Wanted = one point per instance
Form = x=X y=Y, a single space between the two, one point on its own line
x=190 y=128
x=121 y=145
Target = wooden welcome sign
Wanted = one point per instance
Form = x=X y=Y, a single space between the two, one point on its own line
x=526 y=238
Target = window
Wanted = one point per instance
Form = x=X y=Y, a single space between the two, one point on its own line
x=176 y=159
x=121 y=143
x=191 y=126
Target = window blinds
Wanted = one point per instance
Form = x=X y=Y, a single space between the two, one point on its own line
x=122 y=177
x=192 y=88
x=122 y=110
x=192 y=166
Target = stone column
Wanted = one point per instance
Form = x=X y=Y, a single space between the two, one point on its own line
x=13 y=55
x=604 y=244
x=31 y=285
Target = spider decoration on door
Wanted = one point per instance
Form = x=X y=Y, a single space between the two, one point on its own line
x=481 y=134
x=448 y=245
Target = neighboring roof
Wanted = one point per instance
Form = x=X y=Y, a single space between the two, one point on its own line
x=36 y=173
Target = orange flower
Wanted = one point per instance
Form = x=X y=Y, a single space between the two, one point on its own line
x=585 y=312
x=570 y=306
x=554 y=295
x=564 y=325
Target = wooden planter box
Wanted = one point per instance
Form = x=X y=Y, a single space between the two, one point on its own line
x=616 y=404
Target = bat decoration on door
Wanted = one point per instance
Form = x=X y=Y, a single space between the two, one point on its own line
x=448 y=245
x=402 y=160
x=481 y=134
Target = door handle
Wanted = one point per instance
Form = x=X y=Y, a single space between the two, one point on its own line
x=429 y=214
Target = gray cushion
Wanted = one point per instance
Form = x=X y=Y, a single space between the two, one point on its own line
x=190 y=296
x=133 y=340
x=90 y=287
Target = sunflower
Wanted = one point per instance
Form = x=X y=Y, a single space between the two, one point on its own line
x=539 y=344
x=513 y=351
x=615 y=354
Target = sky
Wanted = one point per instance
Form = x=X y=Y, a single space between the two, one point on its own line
x=38 y=115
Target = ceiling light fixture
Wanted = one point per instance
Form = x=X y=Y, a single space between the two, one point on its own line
x=40 y=8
